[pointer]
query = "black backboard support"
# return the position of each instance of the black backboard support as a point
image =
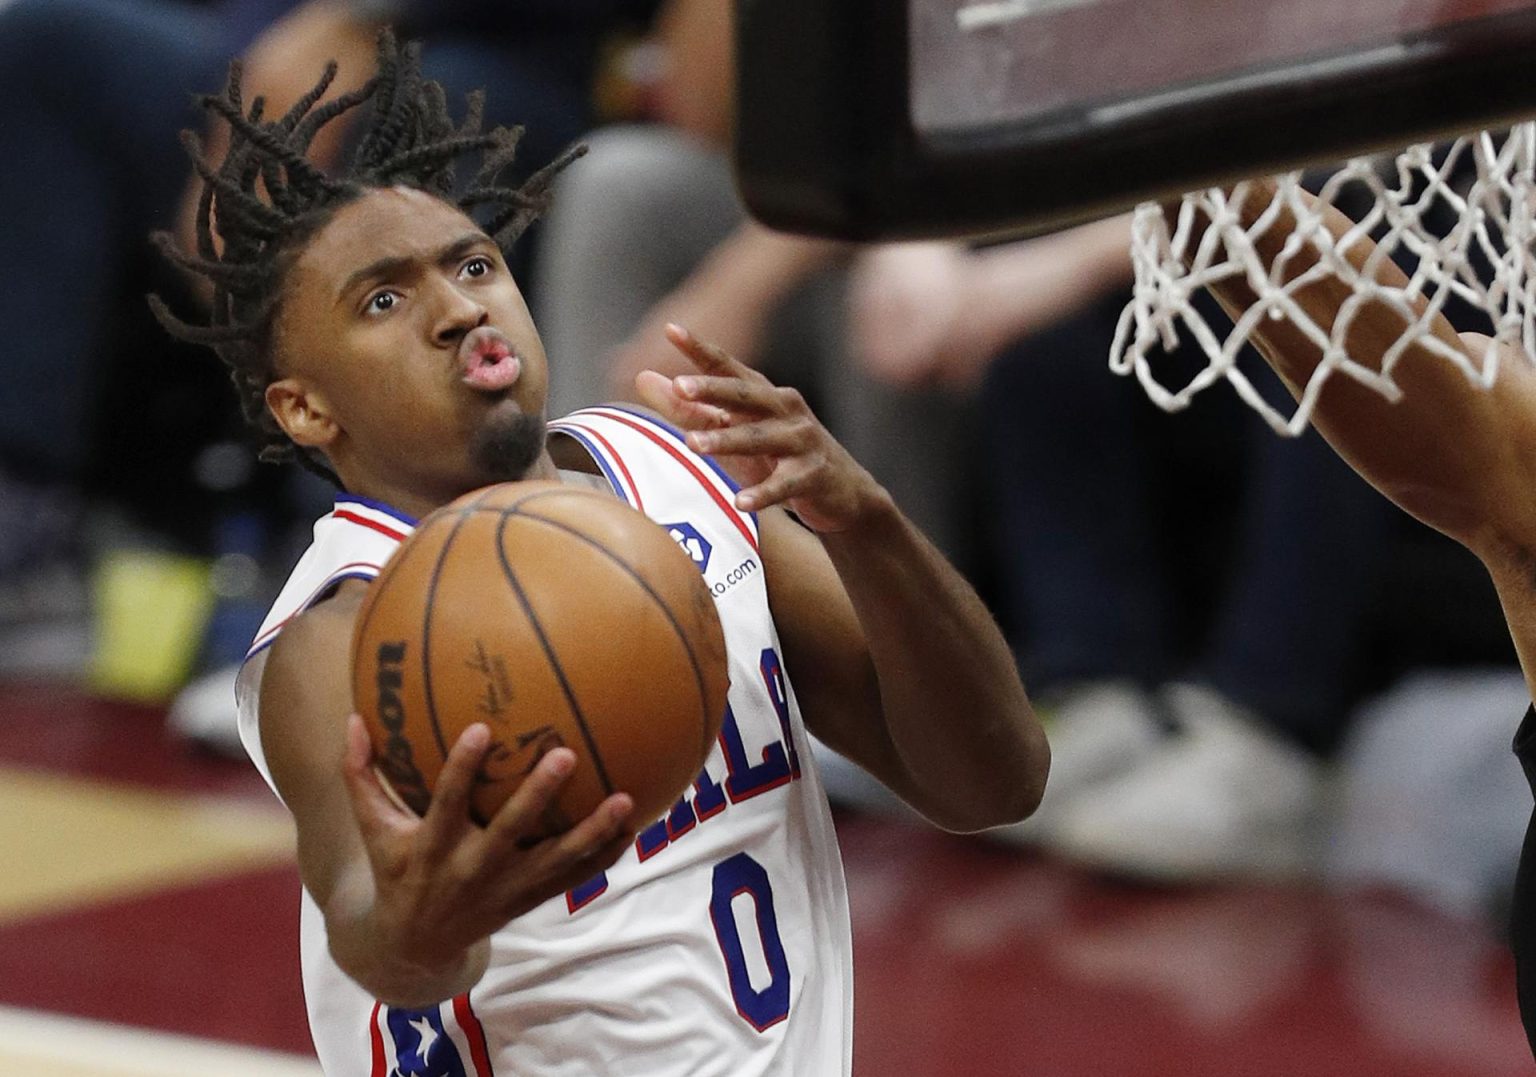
(885, 119)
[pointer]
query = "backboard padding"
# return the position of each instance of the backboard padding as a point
(868, 119)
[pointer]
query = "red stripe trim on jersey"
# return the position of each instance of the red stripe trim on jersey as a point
(474, 1032)
(677, 435)
(379, 507)
(677, 439)
(352, 517)
(376, 1043)
(345, 571)
(713, 491)
(629, 480)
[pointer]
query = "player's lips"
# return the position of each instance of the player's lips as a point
(488, 360)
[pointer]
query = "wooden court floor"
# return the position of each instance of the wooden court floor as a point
(148, 928)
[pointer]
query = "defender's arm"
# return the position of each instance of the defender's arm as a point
(1460, 458)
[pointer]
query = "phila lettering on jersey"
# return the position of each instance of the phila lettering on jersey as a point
(720, 943)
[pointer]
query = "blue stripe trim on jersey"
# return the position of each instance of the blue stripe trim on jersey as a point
(377, 506)
(667, 427)
(325, 591)
(596, 452)
(678, 434)
(254, 651)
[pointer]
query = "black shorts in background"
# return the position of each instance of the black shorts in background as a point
(1522, 917)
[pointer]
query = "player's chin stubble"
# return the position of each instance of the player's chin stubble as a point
(505, 450)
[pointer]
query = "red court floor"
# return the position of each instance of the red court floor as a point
(150, 887)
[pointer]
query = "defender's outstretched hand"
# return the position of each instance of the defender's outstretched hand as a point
(770, 441)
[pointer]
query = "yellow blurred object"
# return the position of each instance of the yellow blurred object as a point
(151, 609)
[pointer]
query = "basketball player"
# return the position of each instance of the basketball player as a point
(1459, 458)
(373, 331)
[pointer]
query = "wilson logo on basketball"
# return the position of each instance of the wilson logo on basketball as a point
(397, 762)
(476, 618)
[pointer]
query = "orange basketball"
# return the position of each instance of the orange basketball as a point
(557, 616)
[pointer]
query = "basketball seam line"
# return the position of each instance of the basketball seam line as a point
(549, 651)
(426, 635)
(693, 661)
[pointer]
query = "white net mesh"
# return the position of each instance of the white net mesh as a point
(1458, 220)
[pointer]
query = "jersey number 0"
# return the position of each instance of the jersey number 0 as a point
(739, 876)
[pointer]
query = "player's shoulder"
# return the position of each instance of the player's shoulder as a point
(318, 636)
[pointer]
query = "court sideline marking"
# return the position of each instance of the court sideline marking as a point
(46, 1043)
(86, 842)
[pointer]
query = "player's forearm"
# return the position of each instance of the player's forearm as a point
(387, 958)
(1430, 451)
(954, 708)
(1374, 331)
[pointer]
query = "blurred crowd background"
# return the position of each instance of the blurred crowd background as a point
(1250, 664)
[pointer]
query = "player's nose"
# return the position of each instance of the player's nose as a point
(456, 313)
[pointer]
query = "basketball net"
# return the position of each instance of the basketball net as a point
(1482, 184)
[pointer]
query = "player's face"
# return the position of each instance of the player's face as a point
(408, 353)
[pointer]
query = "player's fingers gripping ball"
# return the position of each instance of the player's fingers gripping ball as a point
(557, 616)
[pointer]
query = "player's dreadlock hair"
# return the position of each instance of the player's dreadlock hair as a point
(410, 139)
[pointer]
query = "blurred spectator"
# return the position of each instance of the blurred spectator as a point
(92, 94)
(653, 207)
(939, 314)
(1188, 592)
(1192, 592)
(1200, 605)
(648, 229)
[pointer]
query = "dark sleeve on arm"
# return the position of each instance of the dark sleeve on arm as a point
(1522, 927)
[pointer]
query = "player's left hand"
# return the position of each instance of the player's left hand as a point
(766, 435)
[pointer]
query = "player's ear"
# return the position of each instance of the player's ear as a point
(303, 413)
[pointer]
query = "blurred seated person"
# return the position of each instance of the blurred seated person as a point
(91, 94)
(1189, 593)
(94, 167)
(96, 406)
(649, 229)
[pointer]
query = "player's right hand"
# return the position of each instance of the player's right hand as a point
(442, 882)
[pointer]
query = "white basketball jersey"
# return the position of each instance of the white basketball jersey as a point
(720, 943)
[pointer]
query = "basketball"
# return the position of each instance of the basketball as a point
(557, 616)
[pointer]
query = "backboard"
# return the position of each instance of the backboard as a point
(880, 119)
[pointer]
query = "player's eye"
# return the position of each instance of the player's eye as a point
(380, 303)
(478, 266)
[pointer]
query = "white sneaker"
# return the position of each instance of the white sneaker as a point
(1223, 797)
(1097, 731)
(204, 713)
